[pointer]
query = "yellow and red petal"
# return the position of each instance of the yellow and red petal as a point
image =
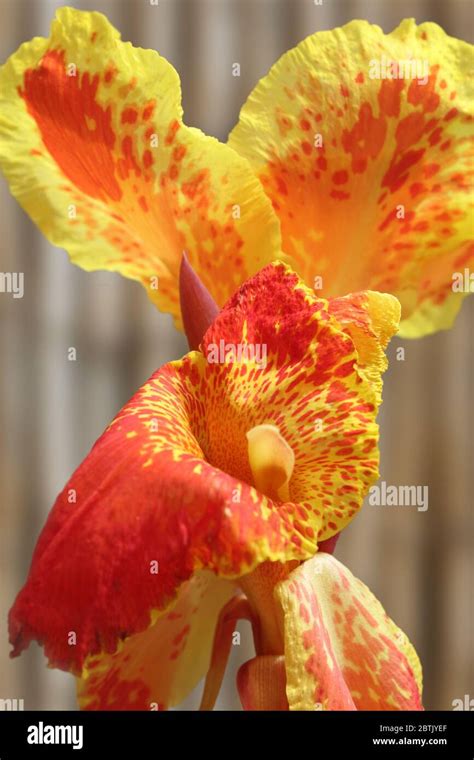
(371, 177)
(371, 319)
(342, 651)
(157, 668)
(313, 371)
(143, 513)
(94, 148)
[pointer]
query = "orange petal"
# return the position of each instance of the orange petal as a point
(371, 177)
(342, 651)
(93, 145)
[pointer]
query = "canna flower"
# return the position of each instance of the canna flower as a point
(217, 493)
(351, 161)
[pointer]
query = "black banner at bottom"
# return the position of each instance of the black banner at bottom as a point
(128, 734)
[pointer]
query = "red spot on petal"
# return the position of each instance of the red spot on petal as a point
(389, 96)
(281, 186)
(179, 152)
(110, 74)
(388, 219)
(435, 136)
(409, 131)
(451, 114)
(128, 163)
(430, 170)
(365, 139)
(421, 226)
(424, 95)
(147, 159)
(340, 177)
(196, 184)
(398, 171)
(416, 189)
(148, 111)
(339, 195)
(129, 115)
(172, 130)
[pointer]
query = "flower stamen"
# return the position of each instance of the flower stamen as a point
(271, 460)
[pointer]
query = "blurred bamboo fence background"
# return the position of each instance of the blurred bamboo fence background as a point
(419, 564)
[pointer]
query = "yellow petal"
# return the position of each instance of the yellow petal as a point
(371, 177)
(342, 651)
(371, 319)
(157, 668)
(94, 148)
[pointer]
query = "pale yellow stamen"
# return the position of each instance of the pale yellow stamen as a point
(271, 460)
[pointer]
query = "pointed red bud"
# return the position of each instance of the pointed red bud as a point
(198, 308)
(329, 544)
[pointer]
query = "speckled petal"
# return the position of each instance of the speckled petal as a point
(370, 319)
(342, 651)
(313, 371)
(156, 669)
(145, 496)
(94, 148)
(369, 166)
